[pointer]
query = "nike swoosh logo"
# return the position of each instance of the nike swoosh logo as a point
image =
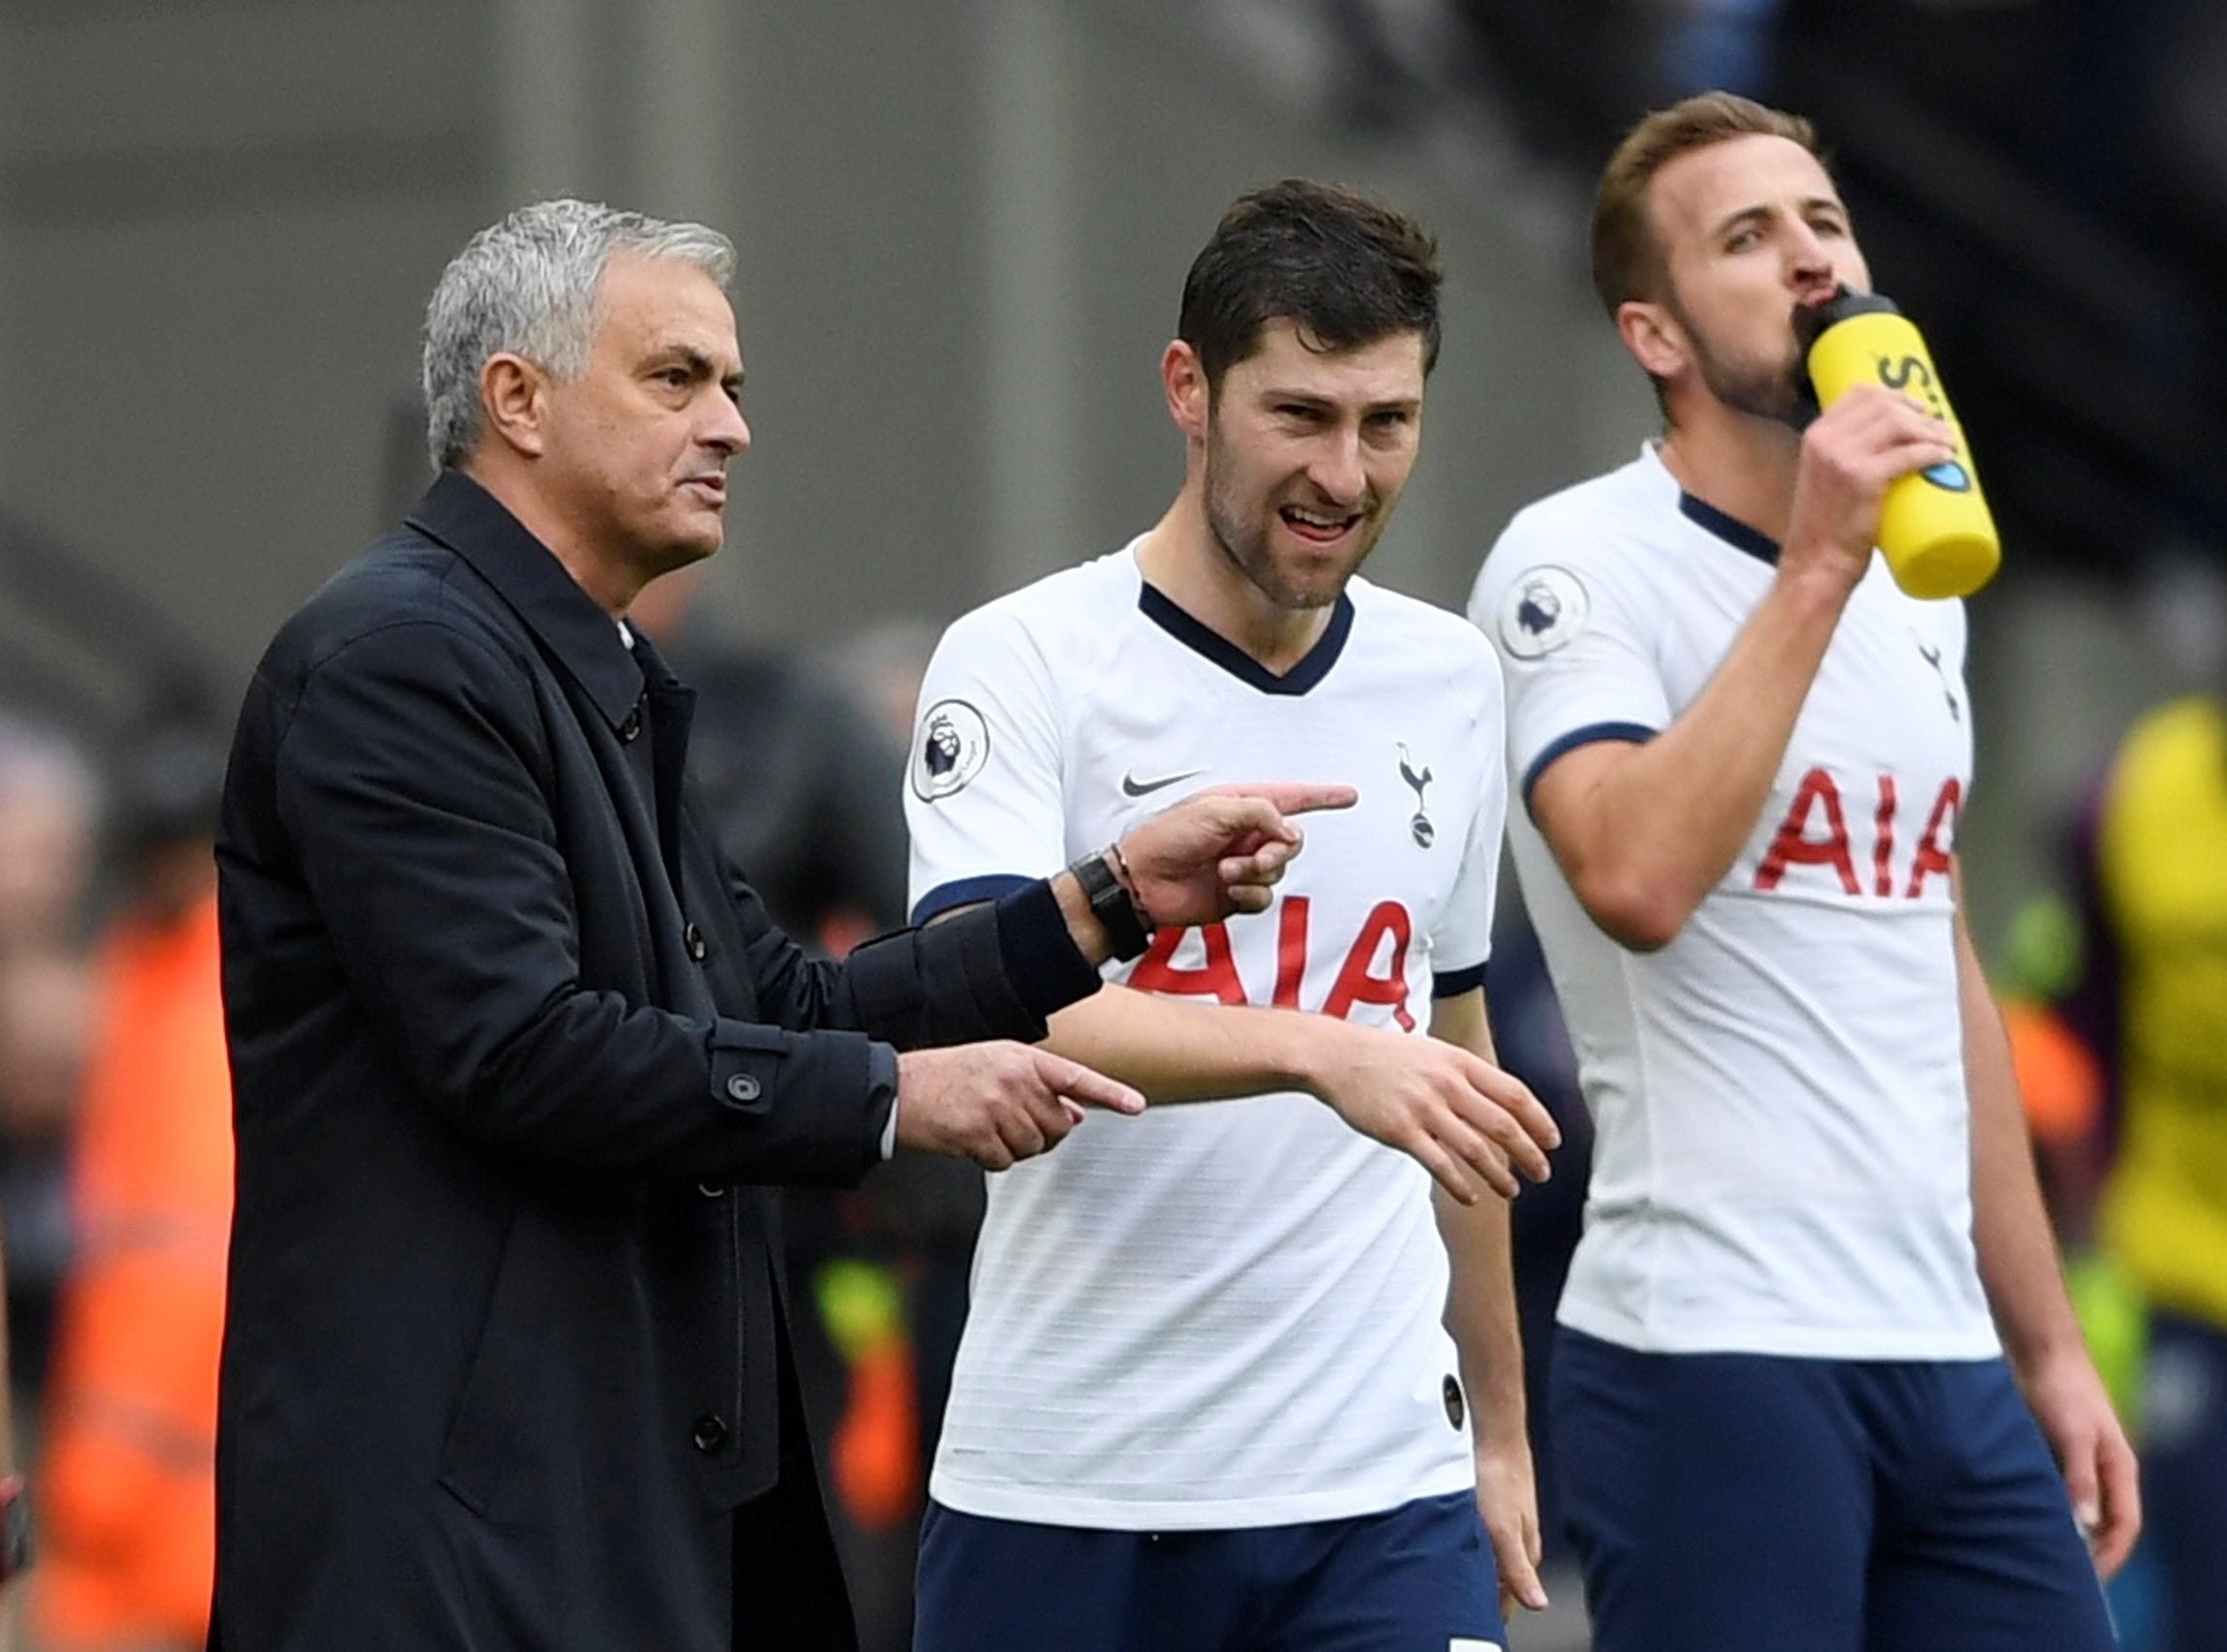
(1132, 786)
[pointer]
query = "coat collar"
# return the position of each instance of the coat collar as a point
(461, 515)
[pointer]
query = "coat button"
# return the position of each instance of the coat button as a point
(631, 729)
(709, 1434)
(692, 938)
(742, 1087)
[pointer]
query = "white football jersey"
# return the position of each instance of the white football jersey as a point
(1226, 1314)
(1784, 1156)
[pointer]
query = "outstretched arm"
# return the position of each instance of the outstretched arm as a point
(1454, 1113)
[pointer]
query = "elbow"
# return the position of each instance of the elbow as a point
(1637, 890)
(1643, 931)
(1637, 917)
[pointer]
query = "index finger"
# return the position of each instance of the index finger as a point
(1077, 1082)
(1295, 797)
(2113, 1540)
(1510, 1097)
(1518, 1572)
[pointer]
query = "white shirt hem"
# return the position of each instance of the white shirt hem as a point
(1800, 1341)
(1187, 1514)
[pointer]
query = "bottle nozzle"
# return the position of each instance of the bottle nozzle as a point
(1812, 319)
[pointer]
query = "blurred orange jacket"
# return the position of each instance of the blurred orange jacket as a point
(127, 1480)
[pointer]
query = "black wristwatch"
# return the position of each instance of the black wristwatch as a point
(1128, 932)
(15, 1527)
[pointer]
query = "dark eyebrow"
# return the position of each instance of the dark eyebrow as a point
(1760, 213)
(1757, 214)
(1311, 399)
(699, 366)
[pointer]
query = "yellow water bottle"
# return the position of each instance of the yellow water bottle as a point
(1935, 530)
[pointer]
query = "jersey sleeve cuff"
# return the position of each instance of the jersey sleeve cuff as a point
(1638, 733)
(965, 891)
(1452, 983)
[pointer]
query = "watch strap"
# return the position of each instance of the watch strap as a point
(1128, 932)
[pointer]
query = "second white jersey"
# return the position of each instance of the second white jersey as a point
(1783, 1155)
(1222, 1314)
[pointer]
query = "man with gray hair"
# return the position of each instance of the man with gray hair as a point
(517, 1059)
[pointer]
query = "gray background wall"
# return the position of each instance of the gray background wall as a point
(964, 227)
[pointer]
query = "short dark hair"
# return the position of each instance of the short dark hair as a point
(1627, 258)
(1349, 270)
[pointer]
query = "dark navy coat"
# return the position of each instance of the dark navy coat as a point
(517, 1060)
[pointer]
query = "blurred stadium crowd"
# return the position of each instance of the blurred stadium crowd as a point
(2059, 262)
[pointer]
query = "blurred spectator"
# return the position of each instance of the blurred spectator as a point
(2152, 1004)
(883, 665)
(48, 812)
(803, 791)
(802, 782)
(47, 803)
(127, 1477)
(921, 1213)
(2058, 1077)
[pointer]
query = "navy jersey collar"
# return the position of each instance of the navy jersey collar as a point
(1202, 638)
(461, 515)
(1729, 529)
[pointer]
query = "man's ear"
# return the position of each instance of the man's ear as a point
(1183, 380)
(1654, 337)
(514, 403)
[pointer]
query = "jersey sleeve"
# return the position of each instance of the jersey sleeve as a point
(982, 790)
(1462, 940)
(1574, 645)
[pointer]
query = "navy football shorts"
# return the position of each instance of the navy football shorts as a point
(1416, 1578)
(1753, 1503)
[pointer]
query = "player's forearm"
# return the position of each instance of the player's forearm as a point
(2019, 1263)
(1480, 1316)
(1643, 832)
(1176, 1051)
(1083, 925)
(1480, 1300)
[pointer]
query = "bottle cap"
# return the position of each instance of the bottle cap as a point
(1812, 319)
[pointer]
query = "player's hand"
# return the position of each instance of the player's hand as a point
(998, 1103)
(2076, 1417)
(1870, 438)
(1219, 851)
(1471, 1125)
(1507, 1498)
